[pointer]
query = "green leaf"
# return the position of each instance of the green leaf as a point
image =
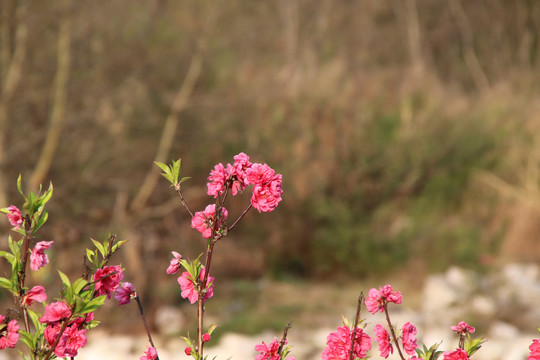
(99, 246)
(78, 285)
(176, 165)
(65, 279)
(5, 283)
(27, 339)
(34, 316)
(48, 194)
(9, 256)
(41, 220)
(19, 186)
(90, 254)
(118, 245)
(93, 304)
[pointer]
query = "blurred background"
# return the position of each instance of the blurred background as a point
(406, 132)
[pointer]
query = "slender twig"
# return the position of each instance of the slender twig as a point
(284, 338)
(394, 337)
(355, 328)
(22, 273)
(179, 191)
(240, 217)
(143, 318)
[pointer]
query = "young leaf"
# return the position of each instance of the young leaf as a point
(99, 246)
(5, 283)
(78, 285)
(65, 279)
(93, 304)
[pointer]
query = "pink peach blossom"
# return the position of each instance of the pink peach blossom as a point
(150, 354)
(71, 341)
(408, 338)
(458, 354)
(270, 351)
(107, 280)
(175, 263)
(15, 217)
(202, 221)
(189, 290)
(383, 338)
(218, 177)
(462, 328)
(534, 350)
(56, 311)
(10, 335)
(377, 299)
(125, 293)
(38, 258)
(265, 198)
(36, 294)
(338, 344)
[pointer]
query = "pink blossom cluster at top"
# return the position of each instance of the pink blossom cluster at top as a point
(203, 221)
(74, 336)
(15, 217)
(534, 350)
(462, 328)
(266, 183)
(377, 299)
(269, 351)
(38, 258)
(338, 344)
(10, 335)
(107, 280)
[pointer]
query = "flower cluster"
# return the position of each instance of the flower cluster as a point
(462, 328)
(203, 221)
(266, 183)
(339, 343)
(270, 351)
(150, 354)
(9, 333)
(125, 293)
(15, 217)
(38, 258)
(74, 335)
(534, 349)
(458, 354)
(377, 299)
(107, 280)
(189, 287)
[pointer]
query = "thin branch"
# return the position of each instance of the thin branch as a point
(284, 338)
(394, 337)
(240, 217)
(179, 191)
(356, 321)
(143, 318)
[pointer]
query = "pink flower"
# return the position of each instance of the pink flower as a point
(189, 290)
(238, 172)
(56, 311)
(267, 187)
(187, 350)
(51, 332)
(38, 258)
(458, 354)
(175, 263)
(206, 337)
(534, 350)
(36, 294)
(383, 338)
(107, 280)
(202, 221)
(71, 341)
(150, 354)
(377, 299)
(10, 334)
(125, 293)
(14, 217)
(218, 178)
(338, 344)
(408, 338)
(462, 328)
(270, 351)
